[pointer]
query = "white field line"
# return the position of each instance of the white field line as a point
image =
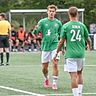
(68, 94)
(84, 65)
(91, 65)
(36, 94)
(51, 65)
(21, 91)
(58, 65)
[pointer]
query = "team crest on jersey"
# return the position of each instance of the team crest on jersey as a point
(46, 24)
(55, 24)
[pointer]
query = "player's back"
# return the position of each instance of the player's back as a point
(76, 34)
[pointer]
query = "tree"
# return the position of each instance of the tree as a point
(89, 5)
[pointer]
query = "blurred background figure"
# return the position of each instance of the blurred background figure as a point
(21, 35)
(14, 41)
(5, 29)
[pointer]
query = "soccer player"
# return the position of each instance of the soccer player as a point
(50, 28)
(75, 34)
(5, 29)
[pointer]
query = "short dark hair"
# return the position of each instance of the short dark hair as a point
(3, 15)
(73, 11)
(21, 26)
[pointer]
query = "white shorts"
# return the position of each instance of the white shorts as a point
(74, 64)
(48, 56)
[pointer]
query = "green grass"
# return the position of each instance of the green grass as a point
(24, 73)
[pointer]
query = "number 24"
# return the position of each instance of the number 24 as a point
(75, 35)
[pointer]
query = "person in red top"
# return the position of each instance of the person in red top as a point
(28, 40)
(21, 34)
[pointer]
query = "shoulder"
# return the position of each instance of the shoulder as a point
(66, 25)
(82, 24)
(57, 20)
(7, 22)
(42, 20)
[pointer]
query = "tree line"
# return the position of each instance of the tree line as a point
(89, 5)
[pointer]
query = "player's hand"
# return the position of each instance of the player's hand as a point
(55, 56)
(88, 47)
(34, 41)
(10, 40)
(63, 51)
(36, 27)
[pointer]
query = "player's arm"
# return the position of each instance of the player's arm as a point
(37, 28)
(59, 32)
(60, 44)
(87, 38)
(88, 41)
(35, 31)
(60, 27)
(9, 32)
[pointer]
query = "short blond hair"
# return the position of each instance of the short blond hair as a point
(73, 11)
(52, 6)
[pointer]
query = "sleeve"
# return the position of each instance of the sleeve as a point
(63, 35)
(39, 28)
(60, 26)
(63, 32)
(85, 32)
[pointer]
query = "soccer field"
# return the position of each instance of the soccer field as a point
(23, 77)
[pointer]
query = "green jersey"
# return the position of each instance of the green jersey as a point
(75, 34)
(50, 31)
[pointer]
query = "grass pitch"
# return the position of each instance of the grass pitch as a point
(24, 76)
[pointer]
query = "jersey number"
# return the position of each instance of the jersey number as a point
(75, 35)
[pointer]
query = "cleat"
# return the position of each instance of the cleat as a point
(54, 86)
(7, 64)
(1, 64)
(46, 83)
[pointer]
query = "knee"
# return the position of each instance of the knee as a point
(45, 67)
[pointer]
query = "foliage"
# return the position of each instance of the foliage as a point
(89, 5)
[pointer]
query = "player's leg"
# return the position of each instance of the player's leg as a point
(22, 46)
(80, 83)
(6, 47)
(17, 44)
(1, 53)
(45, 62)
(29, 44)
(45, 73)
(1, 49)
(55, 69)
(71, 64)
(55, 74)
(12, 45)
(80, 75)
(7, 56)
(74, 83)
